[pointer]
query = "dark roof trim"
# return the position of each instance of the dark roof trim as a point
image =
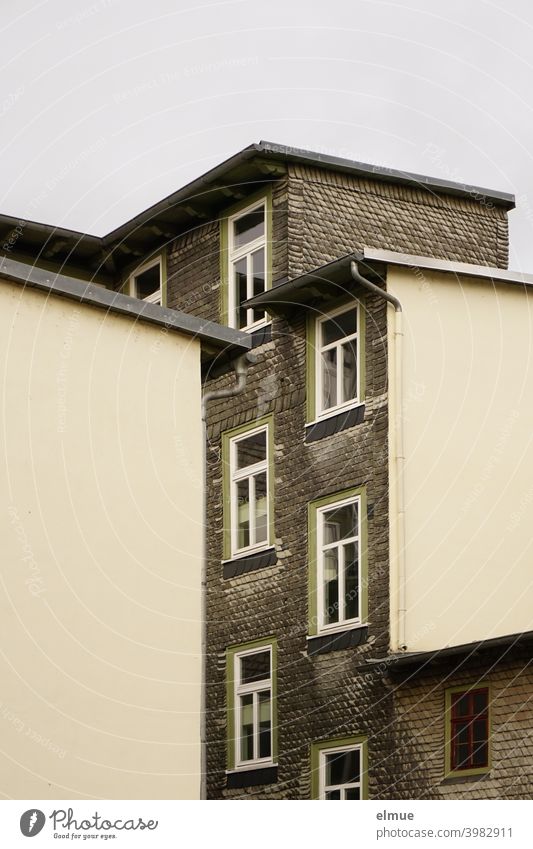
(290, 294)
(208, 332)
(389, 175)
(286, 153)
(425, 658)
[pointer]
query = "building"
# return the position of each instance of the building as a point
(368, 597)
(101, 512)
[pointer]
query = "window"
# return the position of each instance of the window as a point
(467, 730)
(251, 699)
(335, 361)
(339, 770)
(246, 460)
(146, 282)
(337, 598)
(245, 272)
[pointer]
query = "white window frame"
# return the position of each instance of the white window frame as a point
(234, 254)
(342, 622)
(320, 348)
(323, 788)
(237, 475)
(157, 296)
(255, 688)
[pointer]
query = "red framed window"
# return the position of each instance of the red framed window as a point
(470, 729)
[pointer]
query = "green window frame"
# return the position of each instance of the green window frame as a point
(156, 259)
(316, 624)
(229, 439)
(315, 322)
(228, 304)
(318, 766)
(450, 693)
(233, 686)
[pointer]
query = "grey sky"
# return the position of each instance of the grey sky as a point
(109, 105)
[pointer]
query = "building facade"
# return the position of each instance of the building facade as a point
(102, 541)
(348, 654)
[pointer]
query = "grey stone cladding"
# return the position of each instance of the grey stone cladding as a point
(317, 216)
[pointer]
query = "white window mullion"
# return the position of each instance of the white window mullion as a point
(340, 373)
(234, 514)
(255, 709)
(342, 582)
(251, 508)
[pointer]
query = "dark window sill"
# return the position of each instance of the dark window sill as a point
(251, 777)
(324, 643)
(242, 565)
(335, 424)
(465, 779)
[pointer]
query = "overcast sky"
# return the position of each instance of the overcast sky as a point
(109, 105)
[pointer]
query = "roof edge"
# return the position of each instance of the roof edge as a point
(394, 175)
(424, 658)
(209, 332)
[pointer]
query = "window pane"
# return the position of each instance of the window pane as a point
(329, 378)
(352, 793)
(241, 290)
(261, 529)
(461, 757)
(337, 328)
(461, 733)
(251, 450)
(247, 727)
(480, 702)
(333, 794)
(148, 282)
(480, 755)
(258, 270)
(331, 586)
(351, 580)
(342, 768)
(243, 513)
(349, 371)
(258, 279)
(249, 227)
(255, 667)
(265, 748)
(461, 705)
(340, 523)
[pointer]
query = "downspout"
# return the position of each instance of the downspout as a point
(399, 445)
(240, 365)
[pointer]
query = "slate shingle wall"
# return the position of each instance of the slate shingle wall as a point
(333, 214)
(419, 710)
(317, 217)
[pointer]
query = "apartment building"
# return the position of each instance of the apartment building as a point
(368, 592)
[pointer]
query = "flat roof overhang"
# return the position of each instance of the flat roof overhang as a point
(216, 340)
(334, 278)
(425, 660)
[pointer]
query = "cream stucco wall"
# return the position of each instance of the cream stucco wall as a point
(101, 532)
(468, 420)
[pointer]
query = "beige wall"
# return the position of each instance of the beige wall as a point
(101, 551)
(468, 418)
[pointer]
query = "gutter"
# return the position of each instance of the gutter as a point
(241, 365)
(399, 457)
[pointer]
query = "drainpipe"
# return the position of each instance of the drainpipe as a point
(241, 365)
(399, 444)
